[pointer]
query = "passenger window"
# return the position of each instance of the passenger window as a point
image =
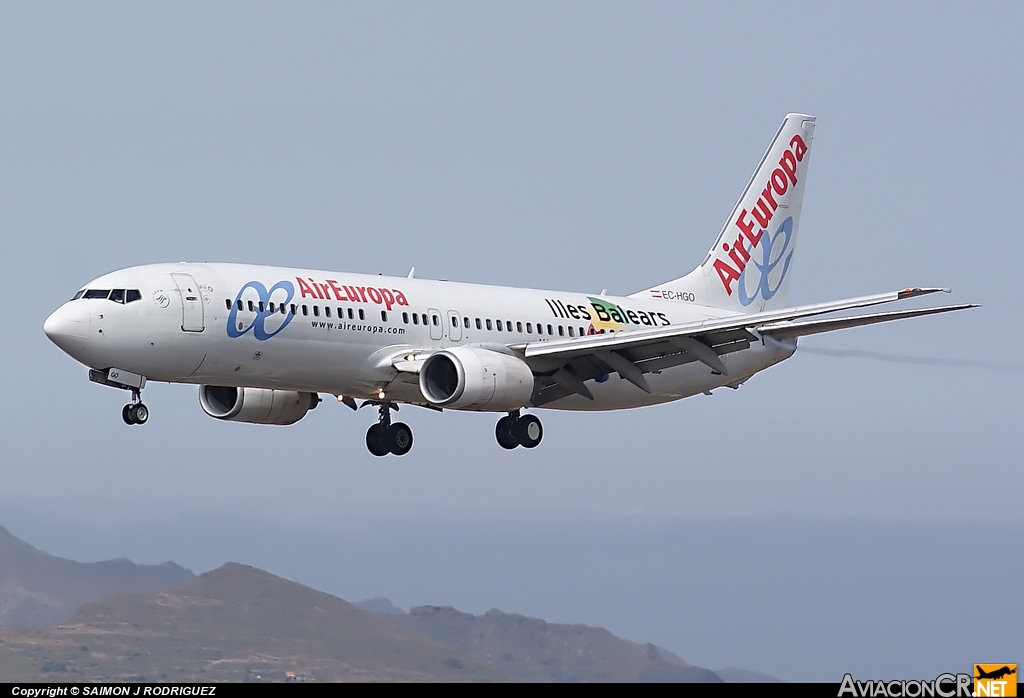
(283, 309)
(305, 310)
(117, 295)
(132, 294)
(272, 308)
(466, 322)
(362, 315)
(262, 307)
(424, 316)
(561, 331)
(436, 320)
(550, 331)
(384, 315)
(415, 319)
(97, 293)
(529, 328)
(508, 325)
(250, 307)
(478, 326)
(316, 311)
(455, 321)
(488, 325)
(519, 326)
(293, 308)
(405, 318)
(78, 295)
(351, 315)
(572, 333)
(227, 304)
(341, 313)
(327, 310)
(499, 325)
(239, 303)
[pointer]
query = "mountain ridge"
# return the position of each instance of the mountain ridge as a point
(38, 589)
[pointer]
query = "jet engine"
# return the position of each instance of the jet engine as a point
(471, 378)
(256, 405)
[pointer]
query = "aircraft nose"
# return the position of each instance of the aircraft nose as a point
(68, 328)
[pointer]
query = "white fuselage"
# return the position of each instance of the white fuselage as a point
(214, 324)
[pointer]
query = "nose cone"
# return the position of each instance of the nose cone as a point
(68, 328)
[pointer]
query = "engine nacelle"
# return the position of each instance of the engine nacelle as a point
(470, 378)
(256, 405)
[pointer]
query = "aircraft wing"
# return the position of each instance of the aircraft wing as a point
(563, 365)
(788, 330)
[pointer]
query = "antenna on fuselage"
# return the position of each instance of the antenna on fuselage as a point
(411, 273)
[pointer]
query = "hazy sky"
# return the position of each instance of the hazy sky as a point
(555, 145)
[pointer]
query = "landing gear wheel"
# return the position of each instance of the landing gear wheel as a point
(140, 413)
(126, 415)
(503, 432)
(399, 438)
(376, 440)
(528, 431)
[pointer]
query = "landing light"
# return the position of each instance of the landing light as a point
(381, 395)
(410, 357)
(341, 398)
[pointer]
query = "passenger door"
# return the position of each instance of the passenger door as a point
(192, 319)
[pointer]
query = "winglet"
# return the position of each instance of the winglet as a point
(915, 292)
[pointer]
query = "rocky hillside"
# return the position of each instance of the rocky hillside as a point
(235, 623)
(37, 589)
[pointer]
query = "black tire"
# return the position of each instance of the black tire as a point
(528, 431)
(376, 441)
(140, 413)
(399, 438)
(126, 415)
(503, 432)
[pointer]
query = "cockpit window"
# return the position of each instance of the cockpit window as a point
(118, 295)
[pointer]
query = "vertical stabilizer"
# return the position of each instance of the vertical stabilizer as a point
(747, 269)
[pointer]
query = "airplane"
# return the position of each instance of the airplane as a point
(263, 343)
(996, 674)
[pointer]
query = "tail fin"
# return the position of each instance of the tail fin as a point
(747, 269)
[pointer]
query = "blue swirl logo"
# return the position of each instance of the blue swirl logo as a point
(262, 310)
(773, 253)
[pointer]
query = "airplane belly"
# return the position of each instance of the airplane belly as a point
(326, 367)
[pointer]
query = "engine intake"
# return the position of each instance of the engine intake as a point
(471, 378)
(256, 405)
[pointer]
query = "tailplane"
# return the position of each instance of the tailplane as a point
(747, 269)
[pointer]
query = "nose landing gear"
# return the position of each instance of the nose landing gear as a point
(135, 412)
(386, 436)
(515, 430)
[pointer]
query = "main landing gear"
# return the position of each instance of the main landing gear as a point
(386, 437)
(135, 412)
(515, 430)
